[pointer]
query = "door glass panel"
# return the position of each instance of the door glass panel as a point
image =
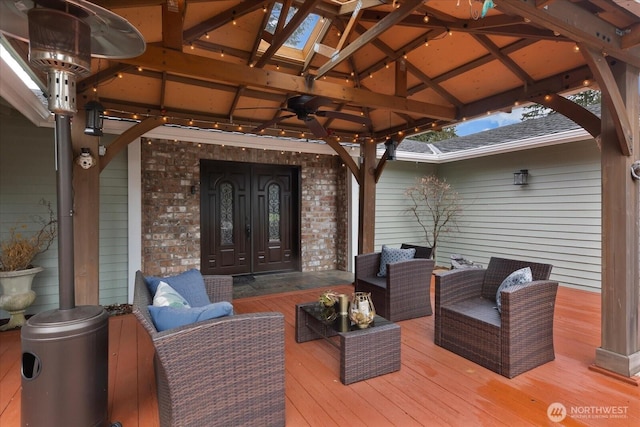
(274, 212)
(226, 214)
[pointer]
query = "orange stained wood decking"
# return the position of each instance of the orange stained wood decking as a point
(433, 387)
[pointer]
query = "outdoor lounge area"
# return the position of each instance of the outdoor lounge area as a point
(432, 387)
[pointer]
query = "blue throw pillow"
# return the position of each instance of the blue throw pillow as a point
(518, 277)
(189, 284)
(393, 255)
(169, 317)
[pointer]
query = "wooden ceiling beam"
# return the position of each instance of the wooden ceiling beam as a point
(560, 83)
(509, 63)
(632, 38)
(223, 18)
(392, 55)
(172, 23)
(101, 77)
(371, 34)
(580, 115)
(612, 97)
(195, 66)
(576, 23)
(501, 25)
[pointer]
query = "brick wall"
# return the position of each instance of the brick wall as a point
(171, 214)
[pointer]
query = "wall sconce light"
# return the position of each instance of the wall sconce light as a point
(520, 177)
(94, 118)
(391, 149)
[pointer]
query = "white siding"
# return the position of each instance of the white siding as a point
(554, 219)
(27, 174)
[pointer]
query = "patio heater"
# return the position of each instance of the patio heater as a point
(65, 351)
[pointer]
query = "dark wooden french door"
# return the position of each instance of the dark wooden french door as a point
(249, 217)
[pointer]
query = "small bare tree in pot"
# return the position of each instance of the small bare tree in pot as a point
(436, 206)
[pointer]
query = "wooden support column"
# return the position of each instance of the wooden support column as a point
(620, 350)
(86, 208)
(367, 215)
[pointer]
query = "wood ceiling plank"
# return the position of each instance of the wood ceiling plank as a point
(371, 34)
(211, 69)
(576, 23)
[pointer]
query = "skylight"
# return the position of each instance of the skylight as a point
(302, 38)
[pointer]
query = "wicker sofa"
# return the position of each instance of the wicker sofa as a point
(511, 342)
(405, 291)
(218, 372)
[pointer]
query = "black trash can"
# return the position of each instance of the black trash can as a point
(65, 368)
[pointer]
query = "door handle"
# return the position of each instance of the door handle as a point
(247, 229)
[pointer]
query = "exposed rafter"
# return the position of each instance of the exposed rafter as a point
(576, 23)
(372, 33)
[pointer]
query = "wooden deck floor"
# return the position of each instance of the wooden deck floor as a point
(434, 387)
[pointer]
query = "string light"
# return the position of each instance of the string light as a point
(264, 8)
(426, 18)
(139, 68)
(206, 35)
(222, 54)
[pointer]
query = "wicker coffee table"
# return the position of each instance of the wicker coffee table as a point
(364, 353)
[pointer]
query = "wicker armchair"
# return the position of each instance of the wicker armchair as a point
(405, 292)
(468, 323)
(219, 372)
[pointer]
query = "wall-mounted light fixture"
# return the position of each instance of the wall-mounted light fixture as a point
(391, 149)
(520, 177)
(94, 118)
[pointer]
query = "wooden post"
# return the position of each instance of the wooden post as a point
(620, 350)
(86, 209)
(367, 216)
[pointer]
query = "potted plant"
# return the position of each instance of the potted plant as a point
(17, 271)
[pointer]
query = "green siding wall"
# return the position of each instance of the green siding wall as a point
(554, 219)
(27, 174)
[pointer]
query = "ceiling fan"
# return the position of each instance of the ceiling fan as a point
(306, 108)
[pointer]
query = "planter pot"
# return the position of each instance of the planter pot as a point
(17, 295)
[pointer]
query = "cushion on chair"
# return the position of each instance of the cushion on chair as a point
(421, 251)
(518, 277)
(189, 284)
(169, 317)
(166, 296)
(393, 255)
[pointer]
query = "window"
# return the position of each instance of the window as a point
(300, 44)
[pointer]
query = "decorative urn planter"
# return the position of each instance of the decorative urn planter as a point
(16, 294)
